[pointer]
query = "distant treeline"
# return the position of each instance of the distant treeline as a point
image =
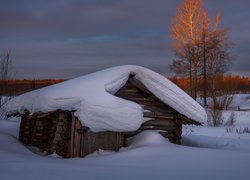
(17, 87)
(224, 83)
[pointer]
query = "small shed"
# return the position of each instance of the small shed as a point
(134, 99)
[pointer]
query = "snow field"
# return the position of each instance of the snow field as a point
(149, 156)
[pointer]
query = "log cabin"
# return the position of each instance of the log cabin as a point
(63, 131)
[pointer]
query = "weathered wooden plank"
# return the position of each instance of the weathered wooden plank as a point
(167, 117)
(128, 90)
(131, 94)
(163, 114)
(148, 114)
(77, 139)
(155, 104)
(39, 134)
(140, 98)
(165, 128)
(139, 85)
(158, 109)
(159, 122)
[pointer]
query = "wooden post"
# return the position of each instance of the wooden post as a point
(72, 135)
(77, 138)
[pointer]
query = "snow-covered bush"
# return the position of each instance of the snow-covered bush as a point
(215, 117)
(5, 73)
(3, 102)
(215, 112)
(231, 119)
(240, 130)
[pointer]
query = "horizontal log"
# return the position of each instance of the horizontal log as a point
(142, 100)
(132, 94)
(167, 117)
(159, 109)
(148, 114)
(186, 120)
(139, 85)
(159, 122)
(165, 128)
(150, 103)
(128, 90)
(163, 114)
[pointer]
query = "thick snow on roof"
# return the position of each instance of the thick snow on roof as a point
(91, 96)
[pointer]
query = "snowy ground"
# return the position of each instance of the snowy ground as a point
(207, 153)
(236, 137)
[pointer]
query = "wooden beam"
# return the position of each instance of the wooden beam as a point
(164, 128)
(158, 109)
(159, 122)
(72, 137)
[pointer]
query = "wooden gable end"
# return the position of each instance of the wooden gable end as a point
(157, 115)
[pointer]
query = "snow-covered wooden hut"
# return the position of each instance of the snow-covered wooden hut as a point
(100, 110)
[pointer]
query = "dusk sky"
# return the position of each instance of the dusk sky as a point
(67, 38)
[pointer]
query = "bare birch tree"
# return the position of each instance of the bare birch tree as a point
(200, 45)
(185, 33)
(5, 73)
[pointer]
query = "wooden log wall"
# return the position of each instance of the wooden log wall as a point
(159, 116)
(61, 133)
(49, 133)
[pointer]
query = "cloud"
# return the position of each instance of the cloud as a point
(88, 55)
(64, 38)
(83, 18)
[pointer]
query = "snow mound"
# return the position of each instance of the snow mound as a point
(92, 98)
(147, 138)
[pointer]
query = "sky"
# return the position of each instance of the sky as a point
(64, 39)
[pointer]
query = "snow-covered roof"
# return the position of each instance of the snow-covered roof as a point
(92, 98)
